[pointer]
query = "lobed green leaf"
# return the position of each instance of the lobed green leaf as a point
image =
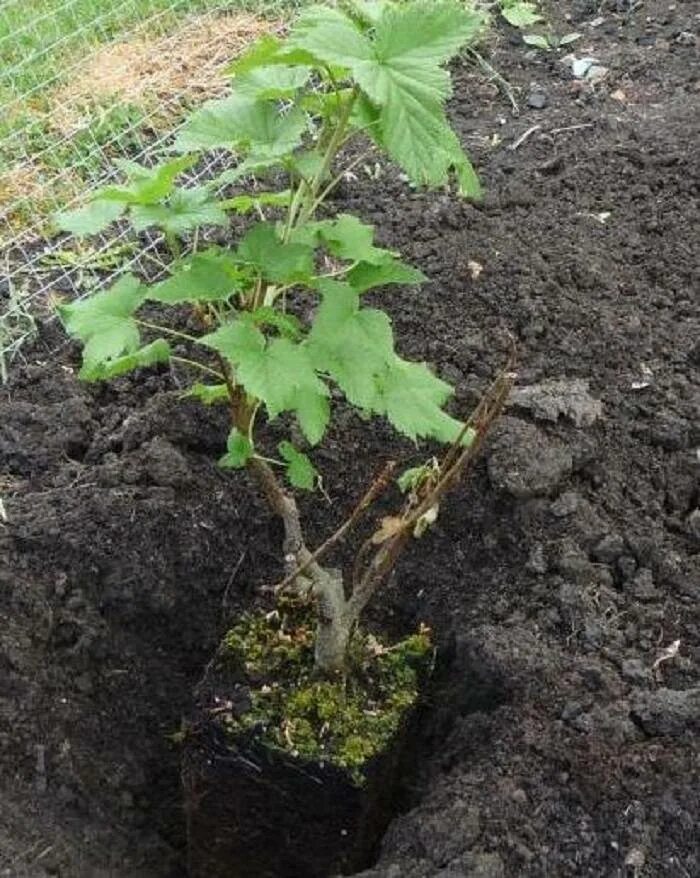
(300, 471)
(401, 73)
(271, 83)
(209, 276)
(105, 324)
(245, 203)
(209, 394)
(236, 341)
(243, 123)
(157, 351)
(365, 276)
(350, 344)
(266, 51)
(412, 398)
(261, 249)
(239, 450)
(187, 209)
(92, 218)
(148, 185)
(278, 374)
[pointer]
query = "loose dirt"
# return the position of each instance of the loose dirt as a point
(563, 577)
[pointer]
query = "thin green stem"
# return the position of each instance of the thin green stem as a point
(269, 460)
(334, 144)
(195, 365)
(339, 273)
(251, 425)
(166, 329)
(334, 182)
(173, 244)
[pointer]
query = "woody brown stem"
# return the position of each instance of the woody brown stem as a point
(378, 486)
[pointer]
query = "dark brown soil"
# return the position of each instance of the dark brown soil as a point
(561, 572)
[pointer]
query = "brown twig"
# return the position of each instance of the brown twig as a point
(378, 486)
(476, 416)
(452, 468)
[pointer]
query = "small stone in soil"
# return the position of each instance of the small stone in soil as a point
(550, 400)
(668, 711)
(525, 462)
(537, 99)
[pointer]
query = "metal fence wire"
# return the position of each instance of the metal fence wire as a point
(83, 82)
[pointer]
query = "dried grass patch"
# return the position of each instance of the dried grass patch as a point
(160, 74)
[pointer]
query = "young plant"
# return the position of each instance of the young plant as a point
(550, 42)
(282, 317)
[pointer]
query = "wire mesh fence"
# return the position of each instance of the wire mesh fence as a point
(83, 82)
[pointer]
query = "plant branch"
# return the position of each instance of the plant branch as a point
(452, 468)
(336, 140)
(378, 486)
(284, 506)
(337, 179)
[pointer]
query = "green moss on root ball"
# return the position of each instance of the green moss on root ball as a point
(345, 721)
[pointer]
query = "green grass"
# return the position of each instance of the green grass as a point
(37, 36)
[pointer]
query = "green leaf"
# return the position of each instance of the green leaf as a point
(300, 471)
(261, 54)
(157, 351)
(271, 83)
(306, 164)
(239, 450)
(209, 276)
(209, 394)
(313, 412)
(401, 72)
(567, 39)
(266, 51)
(348, 238)
(133, 170)
(350, 344)
(520, 13)
(186, 209)
(365, 276)
(245, 203)
(240, 122)
(331, 37)
(237, 341)
(412, 478)
(104, 322)
(368, 11)
(287, 324)
(254, 164)
(91, 219)
(467, 178)
(277, 262)
(537, 40)
(278, 374)
(326, 104)
(412, 398)
(148, 185)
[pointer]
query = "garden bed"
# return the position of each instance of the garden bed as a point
(560, 577)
